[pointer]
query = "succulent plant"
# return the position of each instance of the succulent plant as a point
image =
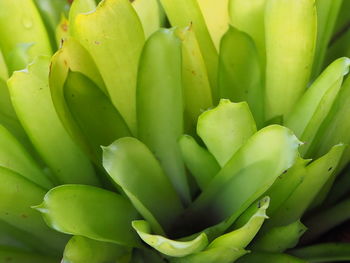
(173, 131)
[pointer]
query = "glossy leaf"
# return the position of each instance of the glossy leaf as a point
(317, 174)
(17, 195)
(248, 16)
(240, 74)
(289, 55)
(79, 7)
(214, 255)
(327, 13)
(160, 105)
(279, 239)
(15, 157)
(216, 17)
(256, 165)
(90, 212)
(241, 237)
(133, 167)
(149, 13)
(120, 43)
(81, 250)
(201, 163)
(317, 102)
(196, 86)
(101, 123)
(31, 99)
(182, 13)
(27, 28)
(225, 129)
(167, 246)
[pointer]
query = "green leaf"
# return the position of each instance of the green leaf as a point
(182, 13)
(241, 237)
(79, 7)
(4, 74)
(81, 250)
(15, 157)
(240, 74)
(100, 124)
(214, 255)
(317, 174)
(314, 106)
(335, 128)
(132, 166)
(159, 109)
(27, 28)
(279, 239)
(51, 12)
(149, 13)
(115, 49)
(256, 165)
(290, 46)
(17, 195)
(90, 212)
(15, 255)
(327, 252)
(226, 128)
(196, 86)
(167, 246)
(62, 31)
(31, 98)
(216, 17)
(269, 258)
(327, 14)
(201, 163)
(248, 16)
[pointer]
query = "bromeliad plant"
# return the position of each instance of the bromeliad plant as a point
(206, 142)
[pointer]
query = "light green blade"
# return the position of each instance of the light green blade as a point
(99, 122)
(241, 237)
(17, 195)
(249, 16)
(327, 14)
(225, 129)
(28, 27)
(115, 49)
(79, 7)
(51, 12)
(90, 212)
(81, 250)
(132, 166)
(31, 99)
(62, 31)
(201, 163)
(182, 13)
(256, 165)
(240, 74)
(4, 74)
(316, 176)
(160, 105)
(196, 86)
(15, 157)
(149, 12)
(167, 246)
(290, 46)
(216, 17)
(279, 239)
(314, 106)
